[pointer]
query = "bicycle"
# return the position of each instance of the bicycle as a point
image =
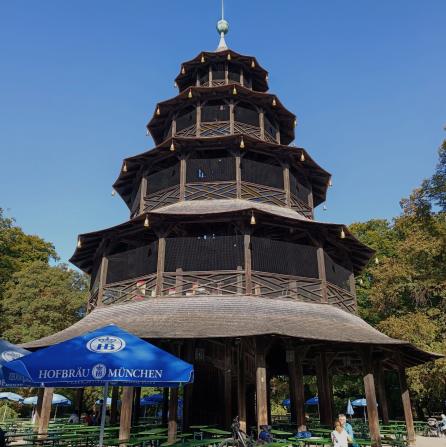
(239, 437)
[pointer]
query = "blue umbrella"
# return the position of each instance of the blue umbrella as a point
(153, 399)
(286, 402)
(9, 352)
(359, 402)
(106, 355)
(58, 399)
(11, 396)
(312, 401)
(350, 410)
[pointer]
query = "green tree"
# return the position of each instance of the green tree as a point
(41, 299)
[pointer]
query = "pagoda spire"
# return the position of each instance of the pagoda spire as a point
(222, 28)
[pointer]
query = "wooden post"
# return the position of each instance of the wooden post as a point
(79, 401)
(297, 398)
(382, 397)
(226, 73)
(248, 274)
(370, 395)
(311, 202)
(231, 117)
(324, 394)
(143, 194)
(188, 388)
(286, 185)
(241, 387)
(262, 124)
(174, 126)
(261, 393)
(322, 273)
(125, 424)
(242, 77)
(38, 412)
(136, 404)
(102, 280)
(183, 178)
(172, 417)
(44, 417)
(228, 384)
(238, 177)
(114, 405)
(210, 75)
(160, 265)
(165, 409)
(405, 397)
(198, 120)
(277, 134)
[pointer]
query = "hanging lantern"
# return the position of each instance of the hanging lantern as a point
(295, 122)
(234, 91)
(274, 102)
(253, 64)
(79, 242)
(242, 144)
(146, 222)
(124, 167)
(175, 84)
(266, 78)
(202, 58)
(330, 183)
(113, 193)
(229, 56)
(189, 95)
(324, 207)
(147, 133)
(302, 156)
(253, 219)
(183, 70)
(342, 234)
(172, 147)
(158, 111)
(376, 260)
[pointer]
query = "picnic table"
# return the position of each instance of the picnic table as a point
(216, 431)
(280, 432)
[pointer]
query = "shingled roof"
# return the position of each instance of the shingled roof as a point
(222, 316)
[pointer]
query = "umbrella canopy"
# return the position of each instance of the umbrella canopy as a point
(106, 355)
(153, 399)
(350, 410)
(359, 402)
(58, 399)
(9, 352)
(312, 401)
(11, 396)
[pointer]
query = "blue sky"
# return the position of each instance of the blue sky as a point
(79, 80)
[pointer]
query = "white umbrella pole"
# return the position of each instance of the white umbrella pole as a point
(103, 414)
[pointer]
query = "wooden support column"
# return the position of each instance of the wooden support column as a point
(188, 388)
(322, 273)
(262, 124)
(136, 405)
(38, 410)
(102, 280)
(125, 425)
(370, 395)
(241, 387)
(228, 384)
(143, 194)
(311, 202)
(261, 384)
(383, 407)
(286, 185)
(231, 117)
(210, 75)
(242, 77)
(238, 176)
(297, 398)
(198, 120)
(160, 265)
(248, 274)
(183, 178)
(172, 417)
(114, 405)
(174, 126)
(226, 73)
(45, 413)
(165, 408)
(407, 406)
(324, 394)
(79, 401)
(277, 134)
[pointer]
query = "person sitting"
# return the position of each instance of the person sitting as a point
(74, 418)
(264, 435)
(339, 436)
(442, 425)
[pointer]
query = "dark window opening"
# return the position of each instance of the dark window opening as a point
(186, 118)
(245, 113)
(262, 173)
(163, 179)
(218, 72)
(214, 111)
(210, 169)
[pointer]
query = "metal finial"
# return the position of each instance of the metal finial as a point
(222, 28)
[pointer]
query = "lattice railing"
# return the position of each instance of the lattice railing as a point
(216, 83)
(228, 282)
(247, 129)
(274, 285)
(131, 290)
(264, 194)
(340, 298)
(93, 301)
(190, 131)
(162, 198)
(270, 138)
(216, 129)
(211, 190)
(301, 207)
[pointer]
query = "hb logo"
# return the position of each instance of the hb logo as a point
(106, 344)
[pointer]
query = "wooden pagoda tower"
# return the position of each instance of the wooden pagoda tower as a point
(222, 262)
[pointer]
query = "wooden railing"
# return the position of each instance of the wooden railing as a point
(225, 282)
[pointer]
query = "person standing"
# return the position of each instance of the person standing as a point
(339, 436)
(347, 427)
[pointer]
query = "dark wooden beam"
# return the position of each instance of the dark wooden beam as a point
(125, 423)
(383, 407)
(248, 263)
(407, 406)
(172, 417)
(324, 393)
(102, 279)
(79, 401)
(261, 384)
(165, 408)
(114, 405)
(322, 273)
(160, 265)
(228, 384)
(136, 404)
(241, 386)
